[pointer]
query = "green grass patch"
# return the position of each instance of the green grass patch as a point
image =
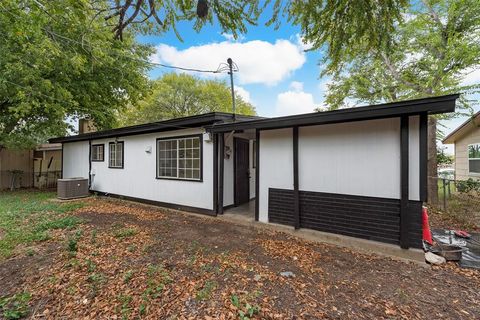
(16, 306)
(27, 216)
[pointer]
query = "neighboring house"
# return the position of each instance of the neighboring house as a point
(47, 165)
(39, 168)
(16, 168)
(466, 139)
(359, 172)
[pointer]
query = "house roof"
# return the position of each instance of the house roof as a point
(466, 127)
(166, 125)
(433, 105)
(48, 147)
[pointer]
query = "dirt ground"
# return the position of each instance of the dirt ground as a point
(129, 261)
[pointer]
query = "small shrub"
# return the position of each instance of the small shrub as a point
(16, 306)
(124, 233)
(206, 291)
(469, 185)
(128, 276)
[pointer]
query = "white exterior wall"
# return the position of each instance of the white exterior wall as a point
(138, 177)
(276, 168)
(76, 159)
(355, 158)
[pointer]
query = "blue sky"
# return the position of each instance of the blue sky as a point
(275, 74)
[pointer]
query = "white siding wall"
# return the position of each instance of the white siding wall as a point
(75, 159)
(356, 158)
(276, 169)
(138, 177)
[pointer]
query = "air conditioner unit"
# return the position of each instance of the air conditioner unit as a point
(72, 188)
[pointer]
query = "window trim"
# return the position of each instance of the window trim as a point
(468, 159)
(200, 136)
(103, 153)
(123, 154)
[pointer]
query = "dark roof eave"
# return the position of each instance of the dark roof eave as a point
(167, 125)
(434, 105)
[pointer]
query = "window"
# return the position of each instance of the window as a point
(115, 155)
(180, 158)
(474, 158)
(97, 152)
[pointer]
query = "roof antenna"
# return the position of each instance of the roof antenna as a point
(230, 67)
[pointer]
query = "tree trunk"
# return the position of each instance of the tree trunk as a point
(432, 185)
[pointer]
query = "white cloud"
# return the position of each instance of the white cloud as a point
(472, 76)
(302, 44)
(294, 102)
(230, 37)
(243, 93)
(258, 61)
(296, 86)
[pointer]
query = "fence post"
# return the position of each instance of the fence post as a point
(444, 195)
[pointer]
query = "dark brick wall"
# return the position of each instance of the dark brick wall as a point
(356, 216)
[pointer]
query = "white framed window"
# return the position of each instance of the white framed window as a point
(98, 152)
(115, 155)
(180, 158)
(474, 158)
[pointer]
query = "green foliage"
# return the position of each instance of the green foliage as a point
(179, 95)
(27, 216)
(245, 309)
(469, 185)
(16, 306)
(431, 52)
(206, 291)
(60, 61)
(124, 232)
(345, 29)
(443, 158)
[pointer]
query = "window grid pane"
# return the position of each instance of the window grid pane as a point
(116, 155)
(179, 158)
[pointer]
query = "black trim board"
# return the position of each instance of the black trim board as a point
(157, 203)
(257, 174)
(160, 126)
(221, 168)
(404, 181)
(200, 136)
(433, 105)
(370, 218)
(123, 154)
(423, 137)
(215, 174)
(296, 193)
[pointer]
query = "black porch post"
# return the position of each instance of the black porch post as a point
(215, 174)
(296, 193)
(257, 174)
(404, 170)
(423, 157)
(221, 149)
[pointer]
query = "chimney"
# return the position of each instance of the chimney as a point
(86, 126)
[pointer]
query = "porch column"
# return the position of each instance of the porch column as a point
(221, 149)
(215, 174)
(404, 173)
(296, 192)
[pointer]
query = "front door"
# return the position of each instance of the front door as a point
(242, 175)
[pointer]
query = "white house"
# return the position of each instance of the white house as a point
(359, 172)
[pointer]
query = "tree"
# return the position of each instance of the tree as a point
(179, 95)
(60, 62)
(431, 52)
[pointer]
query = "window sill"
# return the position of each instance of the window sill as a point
(115, 167)
(179, 179)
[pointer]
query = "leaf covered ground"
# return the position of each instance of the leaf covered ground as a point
(129, 261)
